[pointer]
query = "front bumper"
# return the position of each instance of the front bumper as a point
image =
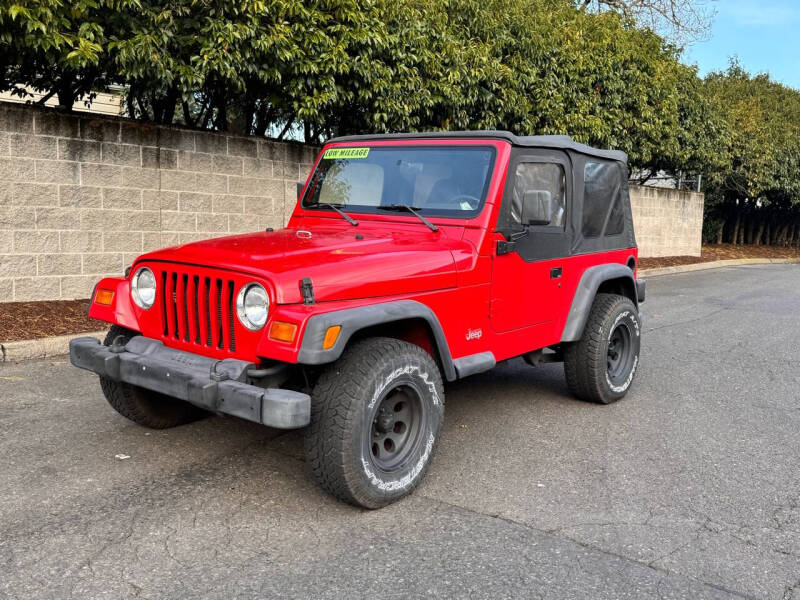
(215, 385)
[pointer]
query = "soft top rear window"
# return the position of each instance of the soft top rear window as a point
(448, 181)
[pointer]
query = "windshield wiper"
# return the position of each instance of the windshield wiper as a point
(335, 207)
(413, 210)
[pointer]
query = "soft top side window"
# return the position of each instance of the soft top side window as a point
(547, 177)
(602, 199)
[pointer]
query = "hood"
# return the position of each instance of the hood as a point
(382, 262)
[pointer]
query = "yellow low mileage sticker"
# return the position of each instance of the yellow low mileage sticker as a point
(334, 153)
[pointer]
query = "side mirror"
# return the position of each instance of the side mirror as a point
(537, 207)
(300, 185)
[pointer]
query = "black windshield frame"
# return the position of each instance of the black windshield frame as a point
(312, 188)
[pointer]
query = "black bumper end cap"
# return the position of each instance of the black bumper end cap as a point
(641, 286)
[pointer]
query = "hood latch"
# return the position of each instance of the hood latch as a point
(307, 290)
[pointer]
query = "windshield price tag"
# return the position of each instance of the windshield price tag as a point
(334, 153)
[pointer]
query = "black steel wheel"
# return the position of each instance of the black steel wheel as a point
(600, 367)
(619, 355)
(376, 414)
(397, 426)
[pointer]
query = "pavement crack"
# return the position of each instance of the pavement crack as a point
(704, 526)
(687, 321)
(564, 528)
(168, 550)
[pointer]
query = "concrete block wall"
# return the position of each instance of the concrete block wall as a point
(667, 222)
(82, 196)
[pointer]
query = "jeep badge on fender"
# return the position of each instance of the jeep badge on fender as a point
(409, 260)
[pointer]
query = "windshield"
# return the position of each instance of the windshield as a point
(436, 180)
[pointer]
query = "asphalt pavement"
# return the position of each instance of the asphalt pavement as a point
(687, 488)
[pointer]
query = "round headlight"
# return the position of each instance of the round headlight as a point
(252, 306)
(143, 288)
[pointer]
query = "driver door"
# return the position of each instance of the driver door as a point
(527, 270)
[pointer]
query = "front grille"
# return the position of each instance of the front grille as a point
(196, 309)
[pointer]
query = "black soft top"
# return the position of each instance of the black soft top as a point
(564, 142)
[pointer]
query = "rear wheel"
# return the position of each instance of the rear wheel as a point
(376, 414)
(600, 367)
(145, 407)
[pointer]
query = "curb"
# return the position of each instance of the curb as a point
(43, 347)
(702, 266)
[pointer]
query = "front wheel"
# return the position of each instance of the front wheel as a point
(600, 367)
(376, 414)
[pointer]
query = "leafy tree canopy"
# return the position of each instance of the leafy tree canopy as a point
(757, 191)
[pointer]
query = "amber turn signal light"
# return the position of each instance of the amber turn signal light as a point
(331, 336)
(282, 332)
(104, 297)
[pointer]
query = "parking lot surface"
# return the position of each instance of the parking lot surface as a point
(687, 488)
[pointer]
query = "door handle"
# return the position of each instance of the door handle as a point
(555, 273)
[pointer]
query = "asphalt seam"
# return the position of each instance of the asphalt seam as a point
(582, 544)
(687, 321)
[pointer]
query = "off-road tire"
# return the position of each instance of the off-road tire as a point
(142, 406)
(587, 362)
(351, 409)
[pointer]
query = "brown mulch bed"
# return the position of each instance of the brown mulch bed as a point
(721, 252)
(34, 320)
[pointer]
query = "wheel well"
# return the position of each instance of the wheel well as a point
(622, 286)
(415, 331)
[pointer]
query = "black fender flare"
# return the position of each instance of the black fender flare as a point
(354, 319)
(586, 291)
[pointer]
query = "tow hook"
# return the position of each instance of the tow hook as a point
(216, 375)
(118, 345)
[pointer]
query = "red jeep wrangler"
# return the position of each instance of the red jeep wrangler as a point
(408, 260)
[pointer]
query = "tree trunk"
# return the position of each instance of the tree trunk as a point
(66, 95)
(187, 115)
(759, 233)
(170, 103)
(289, 123)
(784, 234)
(751, 226)
(222, 115)
(143, 114)
(735, 235)
(129, 98)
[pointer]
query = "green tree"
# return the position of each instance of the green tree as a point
(53, 46)
(755, 196)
